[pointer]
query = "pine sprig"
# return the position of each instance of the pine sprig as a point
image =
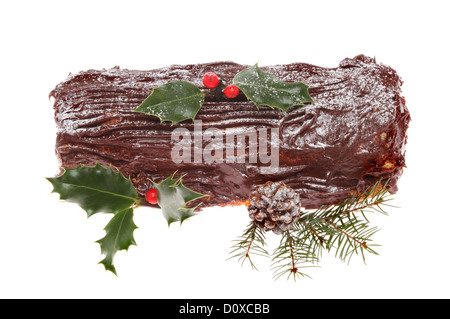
(343, 228)
(349, 235)
(372, 199)
(291, 256)
(250, 243)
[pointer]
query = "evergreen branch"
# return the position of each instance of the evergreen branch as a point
(311, 239)
(334, 227)
(290, 256)
(343, 227)
(372, 199)
(337, 226)
(250, 243)
(351, 235)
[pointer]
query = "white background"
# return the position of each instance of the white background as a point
(48, 249)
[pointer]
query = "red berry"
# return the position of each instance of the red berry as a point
(210, 80)
(151, 196)
(231, 91)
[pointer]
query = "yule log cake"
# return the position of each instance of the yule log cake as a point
(352, 135)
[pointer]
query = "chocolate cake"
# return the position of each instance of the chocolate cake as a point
(353, 134)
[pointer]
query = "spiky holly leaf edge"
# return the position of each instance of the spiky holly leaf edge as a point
(192, 99)
(115, 238)
(263, 88)
(119, 236)
(173, 197)
(173, 102)
(96, 189)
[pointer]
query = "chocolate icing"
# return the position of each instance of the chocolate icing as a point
(351, 136)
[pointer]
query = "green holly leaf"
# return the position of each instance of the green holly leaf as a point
(173, 197)
(263, 88)
(119, 236)
(99, 189)
(174, 102)
(95, 189)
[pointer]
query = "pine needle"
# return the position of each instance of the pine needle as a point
(250, 243)
(343, 228)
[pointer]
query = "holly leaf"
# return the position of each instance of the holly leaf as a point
(95, 189)
(263, 88)
(119, 236)
(174, 102)
(173, 197)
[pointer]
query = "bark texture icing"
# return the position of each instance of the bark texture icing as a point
(351, 136)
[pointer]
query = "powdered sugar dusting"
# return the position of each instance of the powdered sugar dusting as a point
(356, 124)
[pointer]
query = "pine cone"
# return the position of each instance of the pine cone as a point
(274, 206)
